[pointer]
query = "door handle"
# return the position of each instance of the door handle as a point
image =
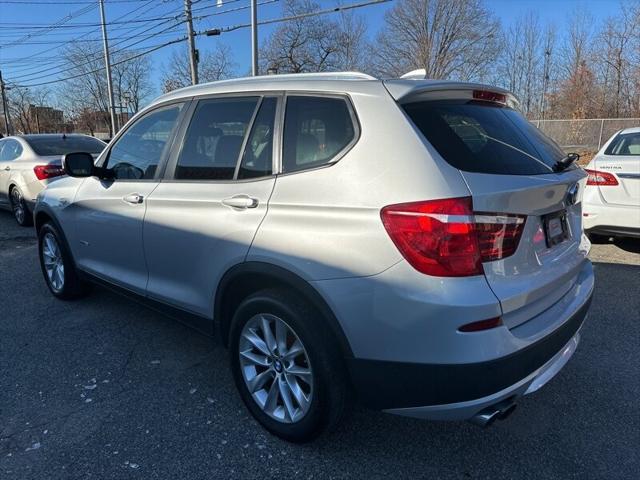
(241, 201)
(133, 198)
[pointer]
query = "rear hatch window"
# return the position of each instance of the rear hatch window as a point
(484, 137)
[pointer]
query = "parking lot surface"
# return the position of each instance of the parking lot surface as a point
(105, 388)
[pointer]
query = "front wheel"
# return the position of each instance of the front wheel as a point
(57, 265)
(287, 368)
(19, 207)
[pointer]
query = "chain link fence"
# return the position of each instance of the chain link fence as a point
(588, 134)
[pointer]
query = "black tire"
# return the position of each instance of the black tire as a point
(19, 207)
(331, 398)
(72, 286)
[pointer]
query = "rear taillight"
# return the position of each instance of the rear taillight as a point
(603, 179)
(44, 172)
(445, 238)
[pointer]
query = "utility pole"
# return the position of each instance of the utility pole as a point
(254, 37)
(5, 106)
(193, 53)
(107, 63)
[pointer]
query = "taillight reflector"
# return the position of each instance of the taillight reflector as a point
(445, 238)
(481, 325)
(44, 172)
(597, 177)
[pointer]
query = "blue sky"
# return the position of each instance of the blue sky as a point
(16, 64)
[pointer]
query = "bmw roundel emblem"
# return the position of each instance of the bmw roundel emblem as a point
(572, 194)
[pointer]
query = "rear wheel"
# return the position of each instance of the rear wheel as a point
(287, 368)
(19, 207)
(57, 265)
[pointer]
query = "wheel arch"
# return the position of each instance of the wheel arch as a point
(42, 215)
(243, 279)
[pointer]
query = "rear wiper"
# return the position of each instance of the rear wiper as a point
(565, 162)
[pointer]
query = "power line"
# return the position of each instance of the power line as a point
(218, 31)
(128, 59)
(212, 32)
(47, 52)
(68, 2)
(93, 57)
(58, 23)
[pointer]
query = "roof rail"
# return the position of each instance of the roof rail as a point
(323, 75)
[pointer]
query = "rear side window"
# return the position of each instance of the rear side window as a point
(214, 139)
(316, 129)
(257, 159)
(624, 144)
(63, 144)
(484, 137)
(10, 150)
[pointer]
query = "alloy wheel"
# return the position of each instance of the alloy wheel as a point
(53, 262)
(276, 369)
(17, 205)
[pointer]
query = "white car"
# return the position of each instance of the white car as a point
(28, 163)
(612, 197)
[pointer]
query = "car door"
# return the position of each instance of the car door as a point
(10, 150)
(203, 216)
(109, 212)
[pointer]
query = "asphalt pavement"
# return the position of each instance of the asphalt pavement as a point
(105, 388)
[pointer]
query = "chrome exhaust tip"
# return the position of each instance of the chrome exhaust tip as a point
(499, 411)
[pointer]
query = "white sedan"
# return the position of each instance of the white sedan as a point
(611, 204)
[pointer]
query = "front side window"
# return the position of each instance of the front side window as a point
(213, 141)
(316, 129)
(10, 150)
(138, 152)
(624, 144)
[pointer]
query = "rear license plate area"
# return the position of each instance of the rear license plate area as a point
(555, 228)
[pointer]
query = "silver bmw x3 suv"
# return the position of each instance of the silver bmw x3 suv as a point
(415, 244)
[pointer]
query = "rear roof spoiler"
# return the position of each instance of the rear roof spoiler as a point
(406, 89)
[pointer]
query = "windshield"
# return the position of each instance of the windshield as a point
(45, 146)
(484, 137)
(624, 144)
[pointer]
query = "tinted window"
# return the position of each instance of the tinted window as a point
(11, 149)
(64, 144)
(214, 138)
(137, 153)
(258, 154)
(484, 137)
(625, 144)
(315, 130)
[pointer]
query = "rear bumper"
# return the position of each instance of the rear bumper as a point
(459, 391)
(609, 219)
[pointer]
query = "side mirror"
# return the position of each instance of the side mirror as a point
(78, 164)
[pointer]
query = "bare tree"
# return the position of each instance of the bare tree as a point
(22, 102)
(614, 57)
(307, 44)
(88, 90)
(214, 65)
(522, 60)
(448, 38)
(353, 47)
